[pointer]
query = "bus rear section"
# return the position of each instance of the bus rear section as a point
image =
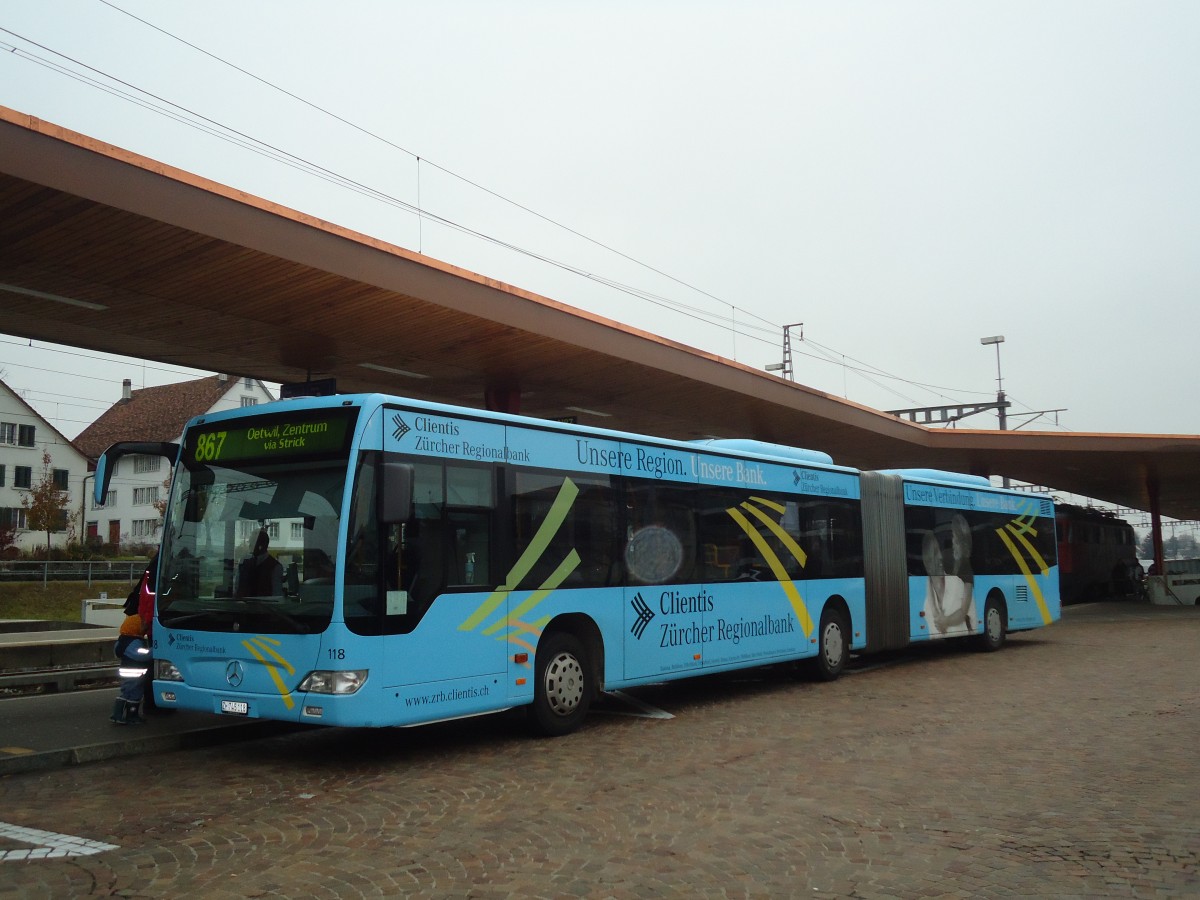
(949, 556)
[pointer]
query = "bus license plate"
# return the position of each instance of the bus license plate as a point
(235, 707)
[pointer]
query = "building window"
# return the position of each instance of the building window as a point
(14, 517)
(249, 401)
(1, 476)
(248, 383)
(25, 435)
(145, 496)
(8, 433)
(297, 531)
(109, 501)
(62, 479)
(145, 528)
(272, 530)
(143, 464)
(22, 476)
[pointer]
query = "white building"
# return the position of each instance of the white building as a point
(132, 513)
(25, 438)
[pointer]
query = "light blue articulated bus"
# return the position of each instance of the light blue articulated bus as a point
(367, 560)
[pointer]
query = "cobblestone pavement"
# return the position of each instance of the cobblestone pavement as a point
(1065, 765)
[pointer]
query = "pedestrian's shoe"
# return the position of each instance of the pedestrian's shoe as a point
(125, 713)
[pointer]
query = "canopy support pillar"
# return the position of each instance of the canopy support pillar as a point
(1156, 525)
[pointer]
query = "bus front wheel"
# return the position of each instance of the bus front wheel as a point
(562, 690)
(833, 645)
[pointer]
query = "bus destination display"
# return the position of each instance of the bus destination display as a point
(266, 438)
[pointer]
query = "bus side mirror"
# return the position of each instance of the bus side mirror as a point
(107, 463)
(103, 477)
(396, 503)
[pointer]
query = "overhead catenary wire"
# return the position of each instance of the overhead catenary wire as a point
(181, 114)
(427, 161)
(247, 142)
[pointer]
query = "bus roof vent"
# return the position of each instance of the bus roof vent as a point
(939, 475)
(765, 448)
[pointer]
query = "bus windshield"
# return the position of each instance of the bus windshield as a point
(249, 543)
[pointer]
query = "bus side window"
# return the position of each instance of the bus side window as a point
(661, 539)
(470, 499)
(470, 556)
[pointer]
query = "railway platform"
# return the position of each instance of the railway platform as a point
(49, 731)
(57, 686)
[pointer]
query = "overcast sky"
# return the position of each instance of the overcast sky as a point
(902, 178)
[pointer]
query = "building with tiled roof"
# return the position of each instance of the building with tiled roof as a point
(132, 513)
(25, 439)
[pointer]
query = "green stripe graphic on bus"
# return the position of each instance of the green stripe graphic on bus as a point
(262, 643)
(537, 547)
(1017, 529)
(768, 554)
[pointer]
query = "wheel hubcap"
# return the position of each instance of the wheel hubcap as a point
(993, 624)
(564, 684)
(833, 645)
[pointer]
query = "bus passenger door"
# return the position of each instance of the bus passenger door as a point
(447, 617)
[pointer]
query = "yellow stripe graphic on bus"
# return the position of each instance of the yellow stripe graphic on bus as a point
(514, 626)
(555, 517)
(557, 577)
(1034, 556)
(776, 529)
(1018, 528)
(777, 566)
(262, 643)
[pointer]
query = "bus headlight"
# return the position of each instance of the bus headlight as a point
(324, 681)
(164, 670)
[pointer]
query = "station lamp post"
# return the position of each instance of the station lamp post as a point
(1001, 406)
(998, 339)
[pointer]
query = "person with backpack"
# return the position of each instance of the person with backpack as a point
(133, 650)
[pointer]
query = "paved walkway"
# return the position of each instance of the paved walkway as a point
(55, 730)
(1065, 765)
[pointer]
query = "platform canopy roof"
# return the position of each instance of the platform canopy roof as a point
(104, 249)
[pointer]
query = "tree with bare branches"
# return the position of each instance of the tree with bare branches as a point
(47, 503)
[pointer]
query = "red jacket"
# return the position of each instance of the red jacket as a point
(146, 597)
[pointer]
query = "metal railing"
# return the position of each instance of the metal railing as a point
(108, 611)
(90, 570)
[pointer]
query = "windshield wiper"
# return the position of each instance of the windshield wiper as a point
(244, 610)
(175, 621)
(280, 614)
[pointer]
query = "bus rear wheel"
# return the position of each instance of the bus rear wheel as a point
(562, 690)
(833, 645)
(994, 627)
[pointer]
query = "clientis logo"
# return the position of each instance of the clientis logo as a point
(644, 616)
(401, 428)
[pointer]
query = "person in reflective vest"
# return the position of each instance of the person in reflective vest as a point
(134, 654)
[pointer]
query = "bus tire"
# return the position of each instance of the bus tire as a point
(833, 645)
(562, 690)
(995, 629)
